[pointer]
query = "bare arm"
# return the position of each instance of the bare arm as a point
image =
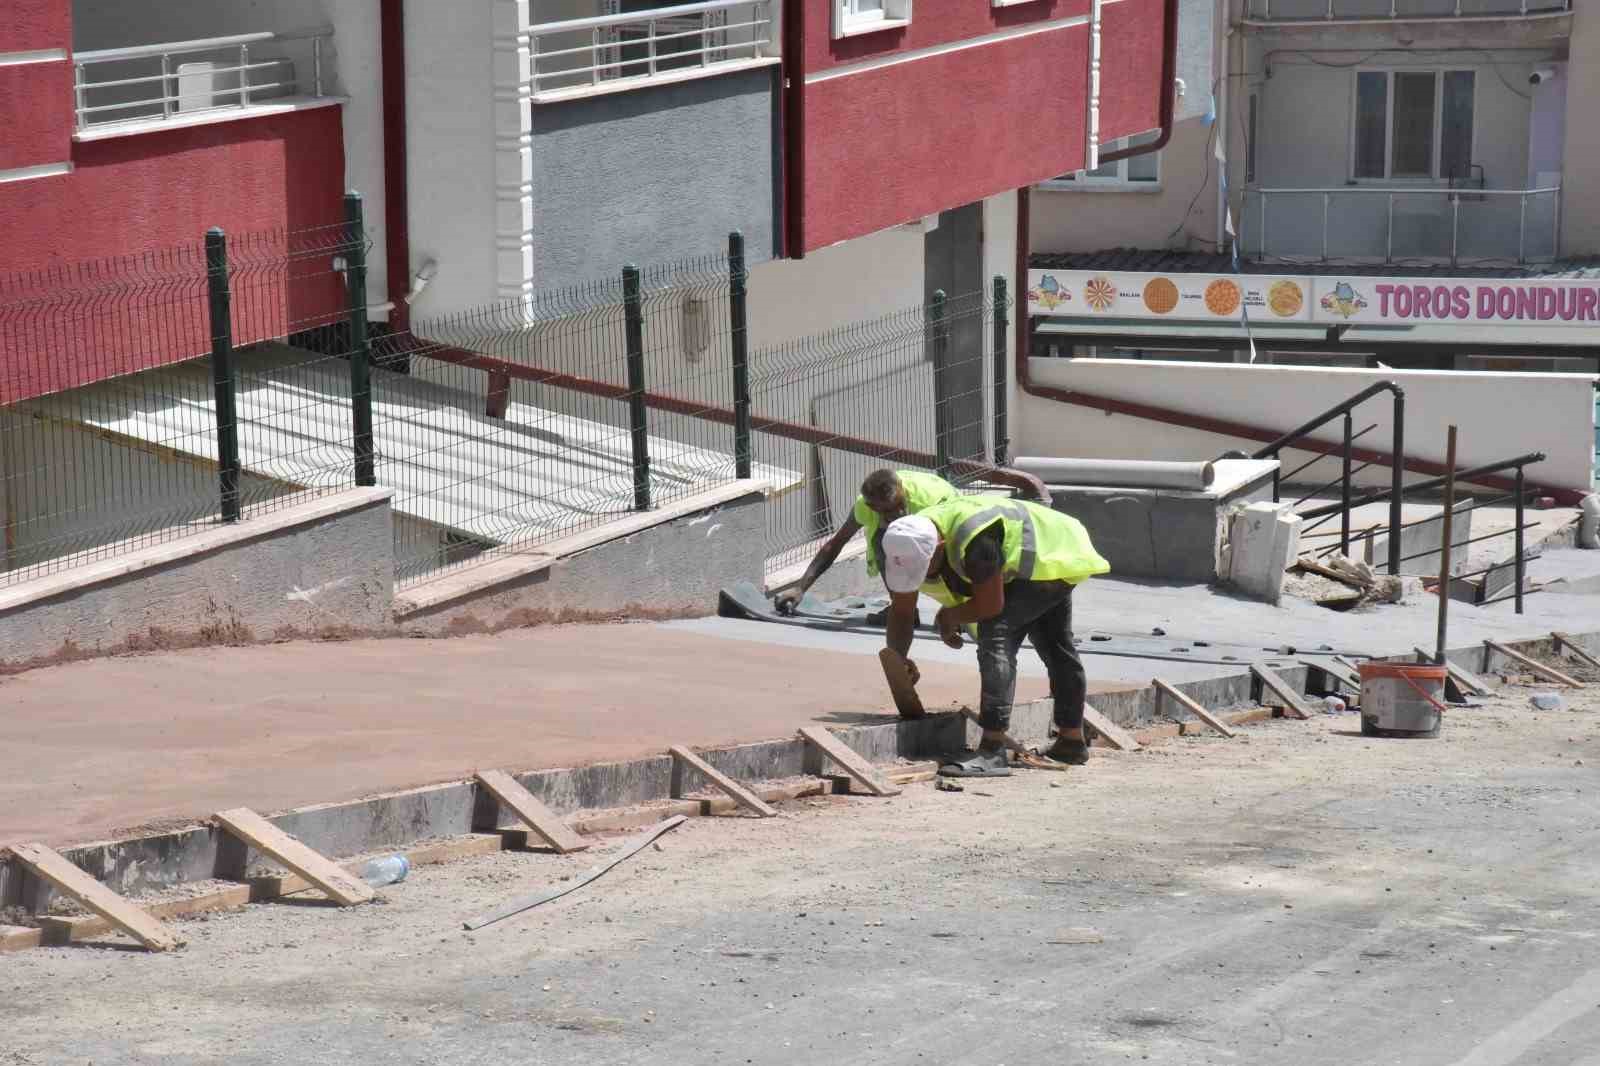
(826, 556)
(1029, 486)
(902, 621)
(988, 600)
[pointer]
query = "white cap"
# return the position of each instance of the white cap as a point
(908, 547)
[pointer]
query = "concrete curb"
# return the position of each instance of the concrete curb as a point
(460, 809)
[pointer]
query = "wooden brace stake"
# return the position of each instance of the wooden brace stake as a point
(1193, 707)
(338, 884)
(153, 933)
(531, 811)
(741, 795)
(854, 765)
(1549, 673)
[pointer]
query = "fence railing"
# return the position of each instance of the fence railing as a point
(1363, 10)
(164, 81)
(631, 48)
(152, 399)
(1387, 223)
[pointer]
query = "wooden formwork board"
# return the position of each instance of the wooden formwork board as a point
(73, 882)
(336, 883)
(854, 765)
(1293, 705)
(741, 795)
(531, 811)
(1193, 707)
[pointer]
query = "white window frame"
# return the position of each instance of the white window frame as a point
(1082, 182)
(849, 22)
(1434, 178)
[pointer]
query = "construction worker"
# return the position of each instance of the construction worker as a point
(885, 496)
(1004, 570)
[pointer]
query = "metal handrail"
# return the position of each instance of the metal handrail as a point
(1331, 13)
(1346, 478)
(1453, 195)
(166, 51)
(720, 44)
(205, 44)
(602, 22)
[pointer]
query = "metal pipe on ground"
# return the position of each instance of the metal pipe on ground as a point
(1119, 473)
(1445, 545)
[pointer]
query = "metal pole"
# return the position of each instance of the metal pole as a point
(1344, 492)
(1522, 565)
(316, 65)
(1522, 230)
(1455, 228)
(166, 85)
(244, 75)
(222, 371)
(1444, 550)
(740, 327)
(633, 305)
(941, 383)
(81, 91)
(360, 348)
(1002, 380)
(1388, 255)
(1397, 480)
(1325, 199)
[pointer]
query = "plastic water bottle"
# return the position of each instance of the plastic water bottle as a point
(386, 871)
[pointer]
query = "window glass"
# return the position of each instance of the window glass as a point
(1372, 123)
(1414, 98)
(1455, 132)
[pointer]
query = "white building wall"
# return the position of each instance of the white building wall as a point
(1277, 399)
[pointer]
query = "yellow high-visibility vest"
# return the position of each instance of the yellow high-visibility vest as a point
(1039, 544)
(922, 492)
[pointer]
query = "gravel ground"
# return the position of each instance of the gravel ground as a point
(1299, 894)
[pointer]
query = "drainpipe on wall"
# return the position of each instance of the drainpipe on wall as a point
(792, 120)
(1169, 92)
(397, 221)
(1091, 125)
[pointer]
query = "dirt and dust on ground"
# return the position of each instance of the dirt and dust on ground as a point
(1299, 894)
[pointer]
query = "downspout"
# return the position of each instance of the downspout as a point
(1167, 415)
(1091, 124)
(793, 121)
(1169, 79)
(396, 207)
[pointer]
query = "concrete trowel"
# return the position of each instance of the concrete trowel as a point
(898, 674)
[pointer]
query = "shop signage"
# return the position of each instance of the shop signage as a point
(1332, 301)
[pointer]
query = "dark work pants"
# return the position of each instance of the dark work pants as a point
(1041, 612)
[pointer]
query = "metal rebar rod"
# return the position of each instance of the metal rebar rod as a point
(1444, 546)
(1344, 487)
(633, 305)
(740, 334)
(222, 375)
(1397, 456)
(1522, 565)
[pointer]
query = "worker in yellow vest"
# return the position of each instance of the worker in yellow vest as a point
(1004, 570)
(885, 496)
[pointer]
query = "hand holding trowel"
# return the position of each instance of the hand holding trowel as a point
(902, 675)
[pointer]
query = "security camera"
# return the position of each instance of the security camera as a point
(1542, 75)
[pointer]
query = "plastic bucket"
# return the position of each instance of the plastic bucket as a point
(1401, 699)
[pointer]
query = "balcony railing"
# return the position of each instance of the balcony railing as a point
(180, 78)
(575, 56)
(1384, 224)
(1398, 10)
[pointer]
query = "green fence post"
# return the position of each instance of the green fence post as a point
(938, 315)
(1002, 335)
(633, 306)
(739, 321)
(360, 347)
(222, 376)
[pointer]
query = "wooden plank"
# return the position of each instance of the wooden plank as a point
(1194, 708)
(1564, 641)
(906, 700)
(851, 763)
(60, 930)
(532, 812)
(1331, 666)
(335, 882)
(1113, 734)
(19, 938)
(1466, 680)
(1549, 673)
(1293, 706)
(741, 795)
(71, 881)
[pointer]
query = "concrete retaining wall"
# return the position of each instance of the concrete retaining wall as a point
(323, 565)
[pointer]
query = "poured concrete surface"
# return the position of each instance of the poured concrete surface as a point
(1296, 896)
(90, 749)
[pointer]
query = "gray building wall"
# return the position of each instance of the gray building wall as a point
(654, 174)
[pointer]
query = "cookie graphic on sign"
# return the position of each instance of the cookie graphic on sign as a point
(1100, 294)
(1160, 295)
(1285, 299)
(1222, 297)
